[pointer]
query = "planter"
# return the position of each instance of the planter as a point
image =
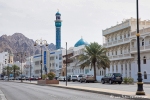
(48, 82)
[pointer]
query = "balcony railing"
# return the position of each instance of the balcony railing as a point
(125, 56)
(142, 48)
(142, 31)
(116, 42)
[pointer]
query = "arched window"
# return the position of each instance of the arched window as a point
(143, 42)
(116, 37)
(124, 35)
(144, 60)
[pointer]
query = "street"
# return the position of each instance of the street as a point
(22, 91)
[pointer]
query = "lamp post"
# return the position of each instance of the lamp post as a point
(41, 43)
(30, 68)
(140, 90)
(21, 54)
(66, 64)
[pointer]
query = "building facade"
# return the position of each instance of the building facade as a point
(120, 41)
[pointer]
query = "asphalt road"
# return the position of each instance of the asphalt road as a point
(22, 91)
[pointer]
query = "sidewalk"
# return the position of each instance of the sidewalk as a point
(111, 92)
(2, 96)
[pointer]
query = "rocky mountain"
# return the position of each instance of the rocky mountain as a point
(20, 43)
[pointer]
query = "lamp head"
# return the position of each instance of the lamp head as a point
(35, 44)
(46, 44)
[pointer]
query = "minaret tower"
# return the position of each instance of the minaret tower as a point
(58, 30)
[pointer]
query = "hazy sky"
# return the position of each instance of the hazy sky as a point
(86, 18)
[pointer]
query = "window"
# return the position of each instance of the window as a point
(121, 51)
(56, 65)
(50, 64)
(56, 57)
(116, 37)
(112, 52)
(113, 68)
(130, 66)
(121, 36)
(128, 34)
(100, 72)
(122, 69)
(111, 38)
(108, 53)
(132, 44)
(116, 68)
(126, 69)
(124, 35)
(144, 60)
(143, 42)
(108, 40)
(116, 52)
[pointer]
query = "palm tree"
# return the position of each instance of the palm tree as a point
(94, 54)
(16, 70)
(8, 70)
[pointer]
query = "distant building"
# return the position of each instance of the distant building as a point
(121, 43)
(6, 59)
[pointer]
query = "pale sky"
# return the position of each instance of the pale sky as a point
(86, 18)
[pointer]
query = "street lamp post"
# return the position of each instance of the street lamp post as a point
(66, 64)
(21, 54)
(30, 68)
(140, 90)
(41, 43)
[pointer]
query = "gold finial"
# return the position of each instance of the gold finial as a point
(81, 37)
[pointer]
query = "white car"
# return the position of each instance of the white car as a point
(61, 78)
(75, 78)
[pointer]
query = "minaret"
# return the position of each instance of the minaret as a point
(58, 30)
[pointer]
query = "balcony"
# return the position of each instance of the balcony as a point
(116, 28)
(142, 49)
(119, 57)
(142, 32)
(117, 42)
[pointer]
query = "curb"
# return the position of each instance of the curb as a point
(112, 95)
(2, 96)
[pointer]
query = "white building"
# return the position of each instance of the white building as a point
(51, 62)
(5, 60)
(21, 66)
(120, 40)
(29, 66)
(73, 65)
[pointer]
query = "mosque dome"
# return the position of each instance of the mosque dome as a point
(80, 42)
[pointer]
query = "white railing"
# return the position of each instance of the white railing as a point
(116, 28)
(120, 56)
(116, 42)
(142, 31)
(147, 47)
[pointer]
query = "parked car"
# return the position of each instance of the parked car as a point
(61, 78)
(112, 78)
(11, 78)
(75, 78)
(80, 76)
(87, 78)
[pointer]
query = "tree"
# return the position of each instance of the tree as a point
(16, 70)
(8, 70)
(94, 54)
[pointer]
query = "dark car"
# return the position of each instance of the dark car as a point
(112, 78)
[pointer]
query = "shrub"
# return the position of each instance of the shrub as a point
(130, 80)
(51, 75)
(127, 80)
(44, 77)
